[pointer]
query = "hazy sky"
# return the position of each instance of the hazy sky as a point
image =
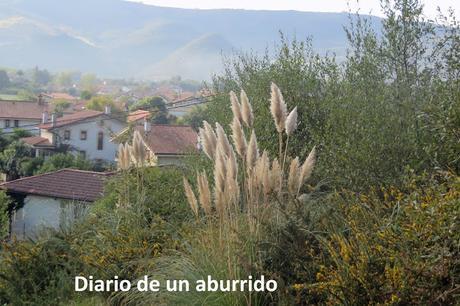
(366, 6)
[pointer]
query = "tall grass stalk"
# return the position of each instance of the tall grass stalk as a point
(246, 187)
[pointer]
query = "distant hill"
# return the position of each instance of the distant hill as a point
(125, 39)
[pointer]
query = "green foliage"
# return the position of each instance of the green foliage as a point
(12, 157)
(353, 126)
(161, 195)
(5, 202)
(156, 105)
(397, 246)
(99, 102)
(64, 79)
(26, 94)
(62, 160)
(86, 95)
(60, 106)
(88, 83)
(18, 133)
(40, 77)
(195, 117)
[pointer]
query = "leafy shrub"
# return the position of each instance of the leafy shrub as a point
(5, 202)
(398, 246)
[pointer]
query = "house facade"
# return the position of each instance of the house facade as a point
(21, 114)
(52, 200)
(86, 132)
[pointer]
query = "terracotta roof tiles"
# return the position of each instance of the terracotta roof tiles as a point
(71, 119)
(138, 115)
(37, 141)
(170, 139)
(21, 110)
(68, 184)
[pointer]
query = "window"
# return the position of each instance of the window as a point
(100, 141)
(83, 154)
(67, 135)
(7, 123)
(16, 123)
(83, 135)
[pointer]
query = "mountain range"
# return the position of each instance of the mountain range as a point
(116, 38)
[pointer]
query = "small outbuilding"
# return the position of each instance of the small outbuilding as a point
(53, 199)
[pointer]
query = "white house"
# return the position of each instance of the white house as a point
(86, 132)
(52, 200)
(21, 114)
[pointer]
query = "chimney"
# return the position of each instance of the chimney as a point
(53, 120)
(40, 99)
(107, 110)
(147, 125)
(45, 117)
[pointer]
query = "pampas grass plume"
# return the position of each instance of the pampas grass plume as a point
(236, 106)
(239, 139)
(307, 167)
(222, 139)
(294, 176)
(291, 122)
(278, 108)
(204, 193)
(138, 149)
(208, 140)
(191, 197)
(253, 151)
(246, 110)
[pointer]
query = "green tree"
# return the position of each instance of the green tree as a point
(157, 106)
(88, 82)
(195, 117)
(62, 160)
(64, 79)
(99, 102)
(40, 77)
(86, 95)
(60, 106)
(26, 94)
(12, 157)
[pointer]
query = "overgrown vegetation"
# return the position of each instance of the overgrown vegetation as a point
(367, 215)
(5, 202)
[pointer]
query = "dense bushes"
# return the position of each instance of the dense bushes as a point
(5, 202)
(398, 246)
(381, 110)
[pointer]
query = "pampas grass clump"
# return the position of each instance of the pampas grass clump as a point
(261, 178)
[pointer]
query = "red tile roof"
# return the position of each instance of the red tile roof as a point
(37, 141)
(138, 115)
(68, 184)
(170, 139)
(79, 105)
(21, 109)
(60, 96)
(71, 119)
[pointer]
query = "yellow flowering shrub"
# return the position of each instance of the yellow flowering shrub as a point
(397, 246)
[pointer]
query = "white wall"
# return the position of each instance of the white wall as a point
(23, 123)
(43, 212)
(92, 128)
(164, 160)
